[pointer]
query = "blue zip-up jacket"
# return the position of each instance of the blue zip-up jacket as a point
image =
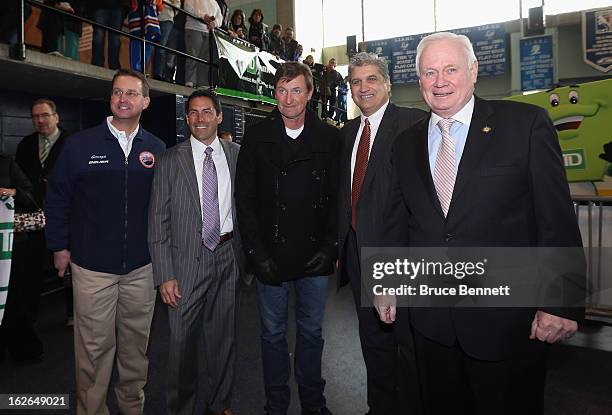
(98, 201)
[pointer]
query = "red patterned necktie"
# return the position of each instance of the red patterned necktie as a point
(361, 165)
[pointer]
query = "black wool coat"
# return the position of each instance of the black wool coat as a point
(286, 200)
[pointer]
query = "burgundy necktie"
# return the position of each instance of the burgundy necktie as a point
(361, 165)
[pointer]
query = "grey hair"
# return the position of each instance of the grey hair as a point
(461, 39)
(364, 59)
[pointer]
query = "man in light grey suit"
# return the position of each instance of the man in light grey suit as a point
(195, 250)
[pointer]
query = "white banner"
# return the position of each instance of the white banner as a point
(7, 215)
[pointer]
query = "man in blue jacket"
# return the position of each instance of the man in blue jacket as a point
(97, 204)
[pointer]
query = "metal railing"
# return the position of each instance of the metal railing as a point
(18, 51)
(594, 241)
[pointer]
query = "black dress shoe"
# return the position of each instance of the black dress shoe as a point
(322, 411)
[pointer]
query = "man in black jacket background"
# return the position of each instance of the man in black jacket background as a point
(36, 155)
(286, 185)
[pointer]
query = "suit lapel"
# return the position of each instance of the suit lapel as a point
(384, 136)
(185, 161)
(479, 137)
(349, 141)
(422, 160)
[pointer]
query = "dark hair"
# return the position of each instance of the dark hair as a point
(47, 101)
(133, 74)
(238, 12)
(288, 71)
(251, 21)
(277, 26)
(209, 93)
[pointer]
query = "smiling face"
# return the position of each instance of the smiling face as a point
(292, 97)
(446, 81)
(203, 120)
(127, 101)
(369, 89)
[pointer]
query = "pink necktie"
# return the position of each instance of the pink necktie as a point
(444, 171)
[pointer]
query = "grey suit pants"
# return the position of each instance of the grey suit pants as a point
(202, 335)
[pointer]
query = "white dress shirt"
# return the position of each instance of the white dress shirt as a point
(375, 120)
(224, 180)
(124, 141)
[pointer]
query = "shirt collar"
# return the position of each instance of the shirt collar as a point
(52, 138)
(120, 135)
(198, 147)
(464, 116)
(377, 116)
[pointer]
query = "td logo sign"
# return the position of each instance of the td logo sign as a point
(574, 159)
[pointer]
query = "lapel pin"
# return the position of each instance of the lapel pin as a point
(486, 129)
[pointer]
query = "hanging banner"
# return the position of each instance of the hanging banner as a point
(489, 42)
(537, 65)
(244, 70)
(597, 38)
(7, 213)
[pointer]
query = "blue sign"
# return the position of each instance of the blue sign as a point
(597, 38)
(489, 42)
(537, 66)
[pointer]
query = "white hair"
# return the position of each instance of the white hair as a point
(461, 39)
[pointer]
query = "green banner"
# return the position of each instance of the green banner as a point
(245, 71)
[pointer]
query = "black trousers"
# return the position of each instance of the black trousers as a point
(455, 383)
(386, 373)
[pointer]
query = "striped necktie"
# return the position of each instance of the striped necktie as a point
(44, 151)
(211, 223)
(444, 170)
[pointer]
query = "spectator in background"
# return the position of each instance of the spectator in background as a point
(309, 61)
(73, 29)
(9, 12)
(240, 33)
(36, 156)
(275, 43)
(290, 45)
(258, 30)
(175, 64)
(142, 23)
(342, 104)
(109, 13)
(51, 25)
(237, 22)
(197, 39)
(166, 22)
(329, 82)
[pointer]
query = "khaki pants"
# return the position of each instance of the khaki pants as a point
(112, 314)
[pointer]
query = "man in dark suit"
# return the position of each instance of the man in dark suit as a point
(36, 155)
(479, 173)
(195, 249)
(364, 187)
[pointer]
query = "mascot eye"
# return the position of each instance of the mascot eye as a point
(573, 97)
(554, 100)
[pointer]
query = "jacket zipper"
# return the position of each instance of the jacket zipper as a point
(125, 222)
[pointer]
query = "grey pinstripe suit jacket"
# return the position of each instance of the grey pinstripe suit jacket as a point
(175, 218)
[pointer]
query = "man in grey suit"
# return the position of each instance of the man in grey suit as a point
(195, 250)
(365, 173)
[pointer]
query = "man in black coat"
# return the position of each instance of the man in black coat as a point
(361, 217)
(36, 155)
(483, 173)
(286, 185)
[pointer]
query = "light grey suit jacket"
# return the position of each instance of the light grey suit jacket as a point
(175, 216)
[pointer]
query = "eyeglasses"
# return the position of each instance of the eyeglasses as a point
(43, 116)
(130, 93)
